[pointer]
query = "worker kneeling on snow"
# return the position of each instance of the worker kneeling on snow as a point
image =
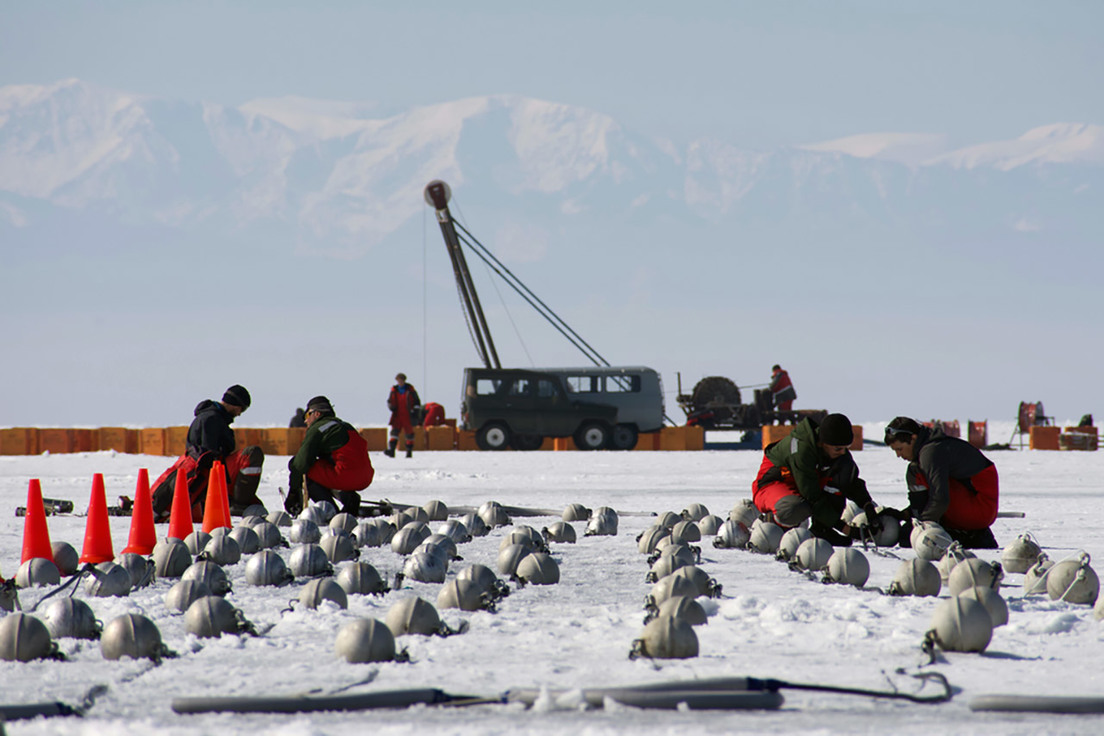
(949, 481)
(332, 462)
(811, 473)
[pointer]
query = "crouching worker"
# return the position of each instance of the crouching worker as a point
(332, 463)
(211, 438)
(949, 482)
(811, 474)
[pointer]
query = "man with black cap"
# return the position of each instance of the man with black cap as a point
(331, 465)
(811, 473)
(211, 438)
(950, 482)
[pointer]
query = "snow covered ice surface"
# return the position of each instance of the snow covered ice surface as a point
(769, 622)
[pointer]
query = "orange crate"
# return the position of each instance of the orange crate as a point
(176, 440)
(118, 439)
(1044, 438)
(774, 432)
(647, 441)
(19, 441)
(441, 438)
(151, 441)
(55, 440)
(465, 440)
(376, 437)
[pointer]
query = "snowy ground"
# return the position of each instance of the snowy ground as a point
(770, 622)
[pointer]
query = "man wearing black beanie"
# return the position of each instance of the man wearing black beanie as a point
(811, 473)
(211, 438)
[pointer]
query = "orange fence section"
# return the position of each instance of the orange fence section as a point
(774, 432)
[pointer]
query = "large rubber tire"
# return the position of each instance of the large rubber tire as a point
(714, 391)
(624, 437)
(493, 436)
(591, 436)
(526, 442)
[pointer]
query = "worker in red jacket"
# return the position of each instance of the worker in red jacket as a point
(782, 390)
(405, 409)
(950, 482)
(331, 465)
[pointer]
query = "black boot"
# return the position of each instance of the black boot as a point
(974, 538)
(390, 451)
(833, 537)
(409, 451)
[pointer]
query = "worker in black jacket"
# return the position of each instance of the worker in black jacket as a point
(211, 438)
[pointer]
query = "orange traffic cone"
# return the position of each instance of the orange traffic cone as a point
(143, 534)
(36, 536)
(180, 520)
(216, 509)
(97, 531)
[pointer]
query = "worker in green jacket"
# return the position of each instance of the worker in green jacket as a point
(811, 474)
(331, 465)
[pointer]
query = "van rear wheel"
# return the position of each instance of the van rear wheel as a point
(493, 436)
(591, 436)
(526, 442)
(624, 437)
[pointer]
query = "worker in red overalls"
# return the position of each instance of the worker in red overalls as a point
(405, 409)
(782, 390)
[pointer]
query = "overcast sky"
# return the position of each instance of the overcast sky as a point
(754, 74)
(762, 73)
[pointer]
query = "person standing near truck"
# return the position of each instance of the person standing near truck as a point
(405, 409)
(782, 390)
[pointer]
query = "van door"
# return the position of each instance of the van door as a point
(521, 410)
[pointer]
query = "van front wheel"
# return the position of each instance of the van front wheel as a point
(591, 436)
(624, 437)
(493, 436)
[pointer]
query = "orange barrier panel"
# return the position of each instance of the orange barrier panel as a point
(376, 437)
(1044, 438)
(118, 439)
(672, 439)
(176, 440)
(274, 441)
(1079, 438)
(774, 432)
(695, 438)
(83, 440)
(647, 441)
(563, 444)
(151, 441)
(54, 440)
(441, 437)
(465, 440)
(19, 441)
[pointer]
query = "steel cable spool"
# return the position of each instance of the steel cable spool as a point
(931, 543)
(196, 541)
(510, 557)
(131, 635)
(339, 548)
(704, 584)
(360, 578)
(732, 535)
(650, 538)
(962, 625)
(426, 568)
(24, 638)
(465, 595)
(267, 568)
(538, 568)
(413, 615)
(37, 571)
(455, 530)
(560, 532)
(916, 577)
(492, 514)
(246, 538)
(407, 538)
(685, 532)
(211, 616)
(475, 525)
(667, 637)
(791, 541)
(67, 617)
(695, 512)
(974, 573)
(848, 566)
(709, 525)
(575, 512)
(269, 536)
(108, 580)
(744, 512)
(66, 558)
(183, 593)
(305, 531)
(1034, 582)
(170, 558)
(994, 603)
(1021, 554)
(436, 510)
(139, 567)
(365, 640)
(686, 608)
(602, 523)
(323, 589)
(1073, 581)
(345, 522)
(210, 574)
(308, 561)
(223, 550)
(955, 554)
(813, 554)
(765, 538)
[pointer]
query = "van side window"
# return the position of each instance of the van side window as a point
(546, 389)
(623, 384)
(486, 387)
(582, 384)
(520, 387)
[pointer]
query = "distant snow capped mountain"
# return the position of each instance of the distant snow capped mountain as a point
(343, 178)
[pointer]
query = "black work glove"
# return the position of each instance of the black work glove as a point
(293, 504)
(873, 519)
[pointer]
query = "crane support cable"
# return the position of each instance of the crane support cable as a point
(526, 293)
